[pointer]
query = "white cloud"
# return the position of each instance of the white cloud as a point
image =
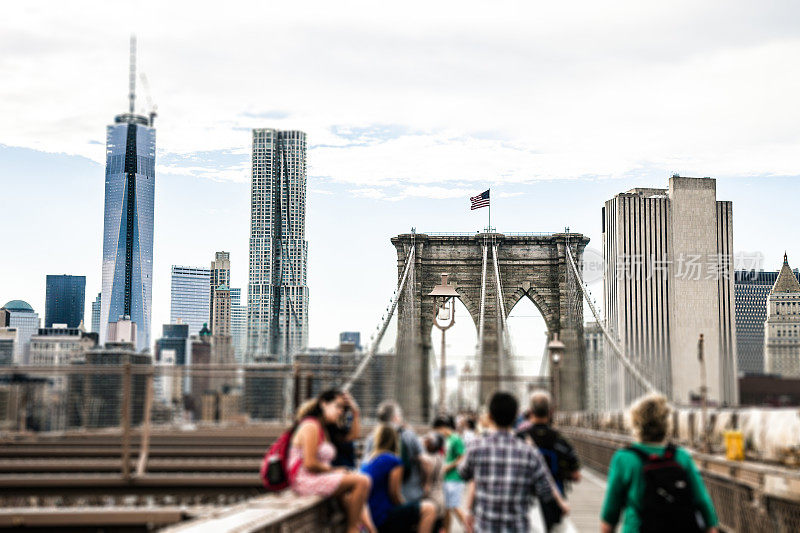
(471, 92)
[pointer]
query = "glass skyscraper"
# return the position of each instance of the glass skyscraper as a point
(277, 304)
(64, 300)
(190, 297)
(96, 314)
(751, 289)
(127, 289)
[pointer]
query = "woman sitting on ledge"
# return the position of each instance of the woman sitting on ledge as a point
(313, 450)
(386, 504)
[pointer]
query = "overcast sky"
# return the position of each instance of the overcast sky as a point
(409, 111)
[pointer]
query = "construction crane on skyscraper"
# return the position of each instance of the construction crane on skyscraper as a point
(153, 108)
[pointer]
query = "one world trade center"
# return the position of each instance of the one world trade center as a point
(127, 290)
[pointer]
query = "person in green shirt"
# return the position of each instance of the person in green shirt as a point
(625, 489)
(453, 484)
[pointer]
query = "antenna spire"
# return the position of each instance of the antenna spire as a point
(132, 76)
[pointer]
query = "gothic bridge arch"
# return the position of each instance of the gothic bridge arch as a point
(530, 265)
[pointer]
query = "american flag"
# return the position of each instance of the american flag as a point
(482, 200)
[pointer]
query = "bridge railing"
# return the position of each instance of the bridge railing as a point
(58, 398)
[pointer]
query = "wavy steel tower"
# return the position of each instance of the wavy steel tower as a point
(128, 219)
(277, 303)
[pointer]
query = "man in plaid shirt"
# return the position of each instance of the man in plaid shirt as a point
(507, 472)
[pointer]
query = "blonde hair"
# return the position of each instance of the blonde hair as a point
(385, 440)
(650, 418)
(305, 409)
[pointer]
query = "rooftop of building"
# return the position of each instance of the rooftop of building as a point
(648, 192)
(786, 282)
(132, 118)
(18, 305)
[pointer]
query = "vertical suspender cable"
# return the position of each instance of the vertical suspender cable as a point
(483, 300)
(501, 307)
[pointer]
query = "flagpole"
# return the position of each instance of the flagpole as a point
(490, 211)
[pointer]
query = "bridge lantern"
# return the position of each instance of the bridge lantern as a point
(445, 289)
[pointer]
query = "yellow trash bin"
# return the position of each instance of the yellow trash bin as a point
(734, 446)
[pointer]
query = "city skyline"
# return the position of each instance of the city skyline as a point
(359, 154)
(299, 233)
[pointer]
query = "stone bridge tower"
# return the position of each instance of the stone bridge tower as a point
(531, 266)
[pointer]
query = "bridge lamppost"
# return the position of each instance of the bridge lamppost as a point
(444, 317)
(556, 349)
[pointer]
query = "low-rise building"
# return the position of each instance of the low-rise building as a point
(58, 345)
(8, 344)
(20, 315)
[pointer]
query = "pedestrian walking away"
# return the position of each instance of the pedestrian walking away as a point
(653, 485)
(559, 454)
(507, 473)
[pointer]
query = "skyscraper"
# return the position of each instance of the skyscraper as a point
(277, 304)
(751, 288)
(782, 327)
(128, 219)
(96, 314)
(65, 298)
(189, 297)
(222, 343)
(668, 278)
(238, 325)
(221, 314)
(220, 275)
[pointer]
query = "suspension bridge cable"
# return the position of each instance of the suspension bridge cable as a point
(627, 363)
(382, 330)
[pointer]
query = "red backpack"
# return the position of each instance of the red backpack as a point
(275, 473)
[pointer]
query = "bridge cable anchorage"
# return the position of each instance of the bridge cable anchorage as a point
(385, 324)
(627, 363)
(505, 337)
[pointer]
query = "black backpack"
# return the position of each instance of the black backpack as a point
(668, 505)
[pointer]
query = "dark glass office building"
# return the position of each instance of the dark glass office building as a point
(65, 297)
(751, 288)
(174, 337)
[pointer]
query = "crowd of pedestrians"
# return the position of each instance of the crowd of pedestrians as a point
(484, 473)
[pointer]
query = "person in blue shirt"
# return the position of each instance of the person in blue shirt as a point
(390, 513)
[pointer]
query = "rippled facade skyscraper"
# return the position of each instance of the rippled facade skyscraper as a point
(277, 299)
(127, 289)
